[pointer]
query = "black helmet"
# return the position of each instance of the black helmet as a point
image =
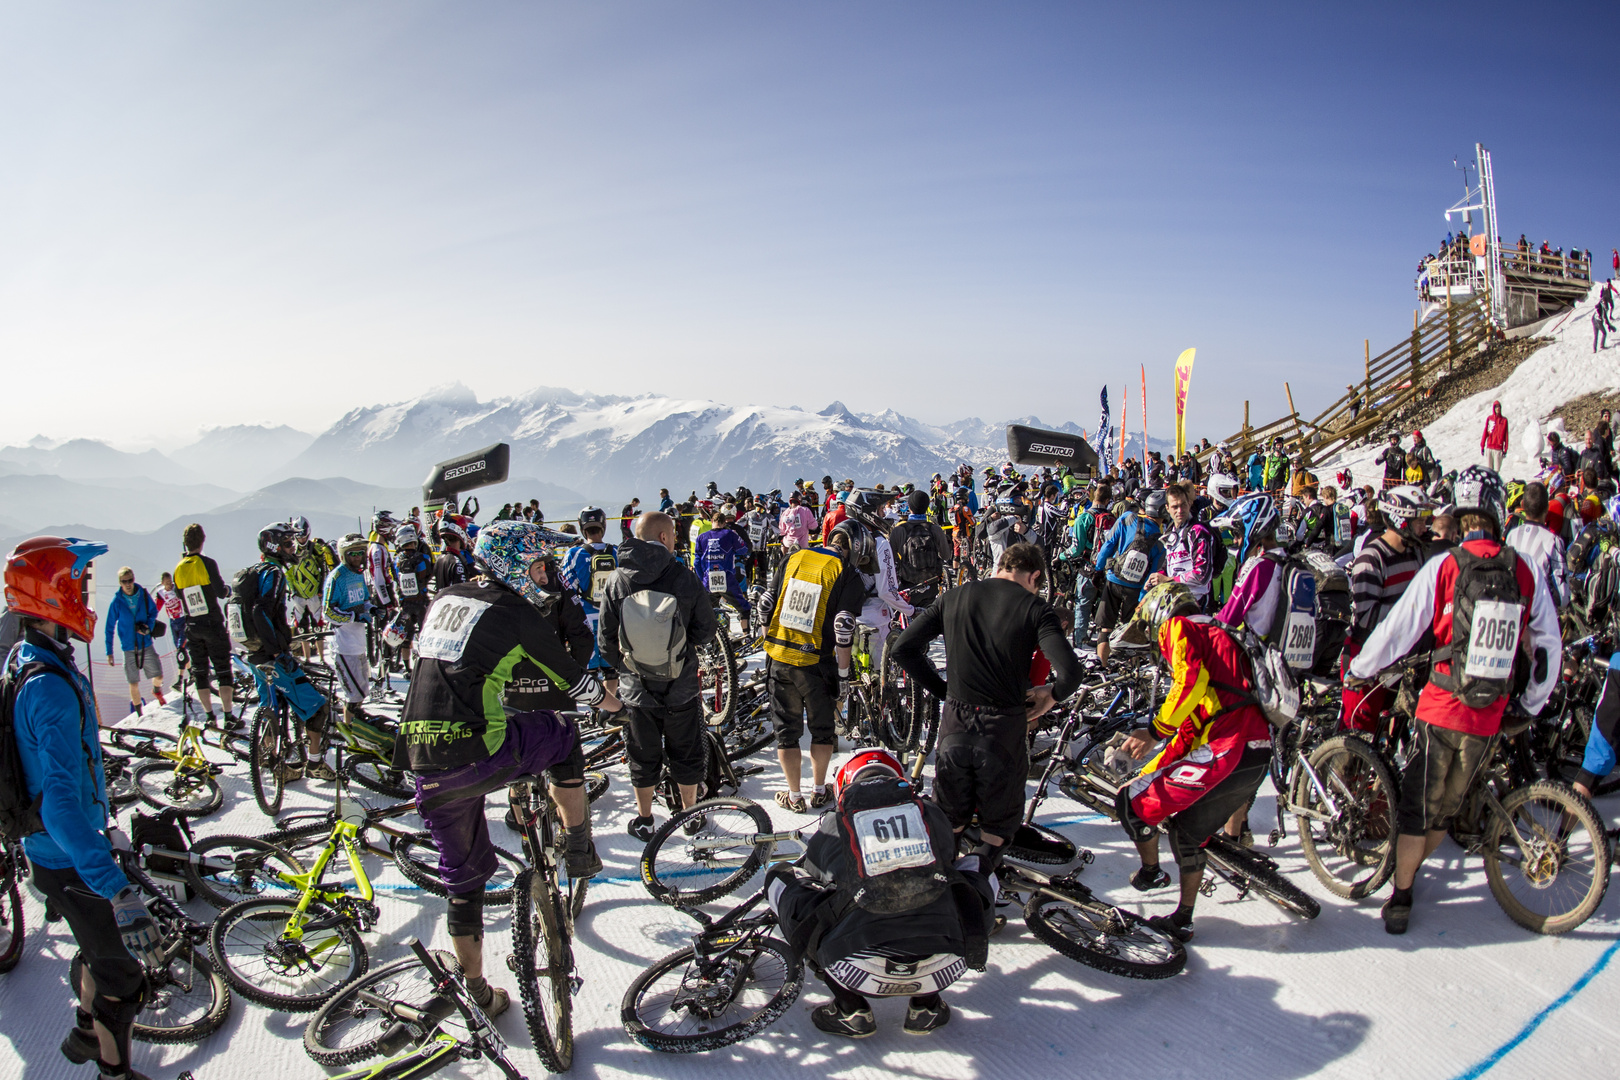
(1153, 506)
(273, 537)
(867, 507)
(1479, 490)
(862, 549)
(592, 515)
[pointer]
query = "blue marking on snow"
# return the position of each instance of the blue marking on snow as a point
(1536, 1021)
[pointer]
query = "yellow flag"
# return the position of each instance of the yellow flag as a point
(1184, 364)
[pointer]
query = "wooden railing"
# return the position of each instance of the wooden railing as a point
(1390, 381)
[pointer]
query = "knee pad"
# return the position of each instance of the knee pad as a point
(1138, 830)
(465, 917)
(118, 1015)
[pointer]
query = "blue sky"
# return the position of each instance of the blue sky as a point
(278, 212)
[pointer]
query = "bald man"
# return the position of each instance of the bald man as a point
(656, 657)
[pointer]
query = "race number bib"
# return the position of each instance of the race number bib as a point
(892, 838)
(799, 602)
(1299, 639)
(599, 581)
(449, 624)
(407, 585)
(717, 581)
(196, 602)
(1494, 640)
(233, 617)
(1133, 567)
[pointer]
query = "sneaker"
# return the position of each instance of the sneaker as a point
(792, 800)
(821, 798)
(1397, 914)
(855, 1025)
(920, 1020)
(693, 824)
(496, 1003)
(512, 821)
(319, 770)
(1167, 924)
(641, 828)
(1149, 878)
(288, 773)
(81, 1045)
(583, 864)
(232, 723)
(1242, 839)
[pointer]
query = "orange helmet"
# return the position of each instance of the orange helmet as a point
(864, 759)
(45, 580)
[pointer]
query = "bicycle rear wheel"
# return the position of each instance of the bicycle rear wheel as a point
(683, 1006)
(190, 789)
(543, 961)
(13, 924)
(684, 870)
(266, 965)
(1352, 851)
(1102, 936)
(418, 859)
(1253, 871)
(374, 774)
(1553, 883)
(253, 865)
(267, 750)
(349, 1027)
(717, 679)
(186, 1000)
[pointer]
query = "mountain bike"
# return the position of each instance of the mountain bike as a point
(186, 1000)
(1558, 740)
(177, 772)
(544, 903)
(875, 710)
(277, 741)
(13, 924)
(420, 1001)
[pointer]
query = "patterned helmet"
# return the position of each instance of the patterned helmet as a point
(273, 537)
(300, 525)
(45, 579)
(1479, 490)
(383, 523)
(1253, 516)
(449, 529)
(1158, 605)
(351, 544)
(1406, 509)
(1222, 489)
(867, 507)
(505, 550)
(866, 758)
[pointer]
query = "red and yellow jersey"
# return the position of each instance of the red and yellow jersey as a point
(1203, 658)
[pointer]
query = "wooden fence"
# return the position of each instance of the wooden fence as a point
(1390, 381)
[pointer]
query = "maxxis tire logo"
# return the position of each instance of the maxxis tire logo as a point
(463, 470)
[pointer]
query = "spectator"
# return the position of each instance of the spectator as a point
(1493, 440)
(168, 598)
(1423, 457)
(1593, 459)
(631, 509)
(131, 615)
(1562, 456)
(1393, 459)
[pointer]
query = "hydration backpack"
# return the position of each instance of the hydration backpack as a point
(1274, 685)
(894, 866)
(600, 566)
(1293, 628)
(916, 552)
(652, 635)
(1131, 565)
(19, 815)
(239, 608)
(1487, 613)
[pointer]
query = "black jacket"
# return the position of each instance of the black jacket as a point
(645, 564)
(530, 688)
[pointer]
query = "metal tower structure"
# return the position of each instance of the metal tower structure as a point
(1486, 194)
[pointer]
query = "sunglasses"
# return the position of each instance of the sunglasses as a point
(126, 581)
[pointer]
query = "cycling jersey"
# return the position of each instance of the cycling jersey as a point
(720, 554)
(1120, 539)
(1189, 557)
(347, 601)
(414, 573)
(1207, 712)
(380, 572)
(1253, 602)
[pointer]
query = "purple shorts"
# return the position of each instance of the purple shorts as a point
(451, 801)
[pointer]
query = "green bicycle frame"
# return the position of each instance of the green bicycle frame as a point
(425, 1060)
(308, 884)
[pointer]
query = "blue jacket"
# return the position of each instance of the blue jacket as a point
(122, 615)
(1120, 538)
(1257, 468)
(61, 759)
(347, 596)
(723, 550)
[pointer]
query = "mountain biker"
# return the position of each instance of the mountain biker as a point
(586, 569)
(131, 615)
(259, 599)
(655, 616)
(1539, 544)
(349, 607)
(1452, 739)
(379, 564)
(171, 605)
(719, 559)
(413, 572)
(921, 552)
(202, 587)
(992, 629)
(1189, 547)
(455, 734)
(918, 948)
(1128, 557)
(450, 568)
(1378, 577)
(313, 559)
(54, 722)
(866, 527)
(1216, 753)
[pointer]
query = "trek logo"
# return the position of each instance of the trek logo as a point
(1048, 448)
(463, 470)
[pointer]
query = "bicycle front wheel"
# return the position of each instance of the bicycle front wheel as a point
(543, 961)
(266, 751)
(1102, 936)
(13, 926)
(350, 1026)
(1251, 870)
(1347, 828)
(186, 1000)
(1555, 880)
(190, 789)
(681, 1005)
(265, 963)
(252, 868)
(686, 869)
(717, 679)
(418, 859)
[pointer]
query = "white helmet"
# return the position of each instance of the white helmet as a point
(1222, 489)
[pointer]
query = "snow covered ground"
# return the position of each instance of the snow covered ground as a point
(1559, 372)
(1265, 996)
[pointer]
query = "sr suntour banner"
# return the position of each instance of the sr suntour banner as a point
(475, 470)
(1034, 446)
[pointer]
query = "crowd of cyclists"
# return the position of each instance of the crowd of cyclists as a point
(1220, 610)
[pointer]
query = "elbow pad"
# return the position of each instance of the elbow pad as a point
(843, 630)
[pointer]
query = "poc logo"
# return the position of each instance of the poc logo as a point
(1048, 448)
(463, 470)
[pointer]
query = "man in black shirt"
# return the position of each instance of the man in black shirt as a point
(992, 629)
(451, 567)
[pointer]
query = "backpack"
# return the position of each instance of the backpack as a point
(1274, 687)
(1293, 628)
(19, 815)
(1343, 529)
(600, 565)
(239, 608)
(1217, 552)
(917, 553)
(1487, 611)
(1131, 565)
(894, 867)
(652, 635)
(1334, 610)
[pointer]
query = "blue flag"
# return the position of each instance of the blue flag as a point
(1105, 440)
